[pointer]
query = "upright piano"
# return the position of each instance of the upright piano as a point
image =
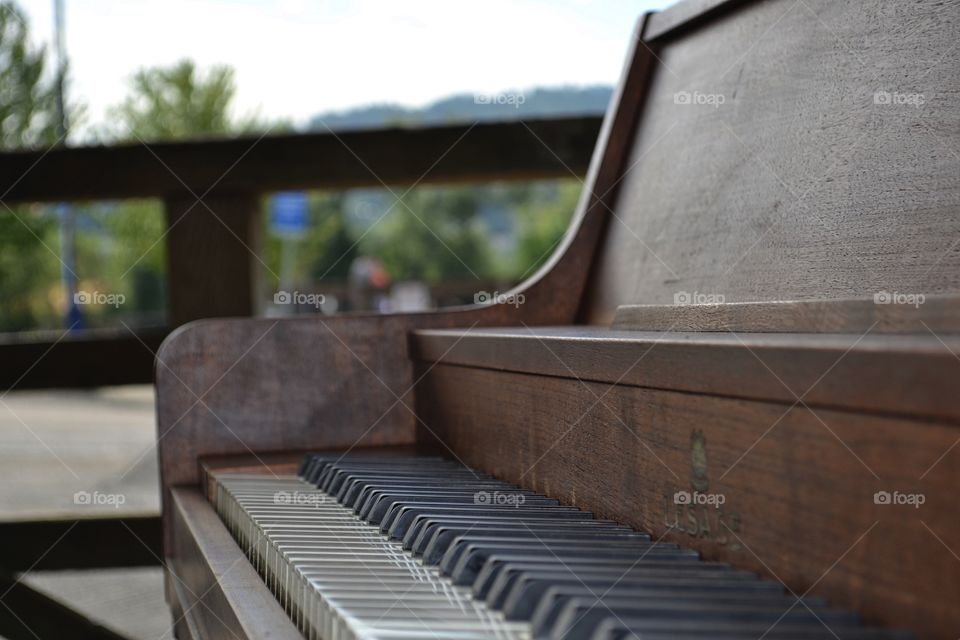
(728, 406)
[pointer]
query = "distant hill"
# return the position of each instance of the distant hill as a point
(507, 105)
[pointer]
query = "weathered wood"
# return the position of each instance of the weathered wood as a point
(911, 375)
(213, 250)
(820, 175)
(218, 592)
(86, 359)
(925, 315)
(451, 153)
(27, 614)
(87, 543)
(798, 485)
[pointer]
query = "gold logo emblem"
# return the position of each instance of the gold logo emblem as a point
(698, 459)
(698, 512)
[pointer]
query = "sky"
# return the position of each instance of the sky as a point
(296, 58)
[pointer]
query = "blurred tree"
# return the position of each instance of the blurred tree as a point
(27, 107)
(179, 101)
(542, 222)
(28, 270)
(446, 242)
(29, 273)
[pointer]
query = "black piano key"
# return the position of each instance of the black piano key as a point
(443, 540)
(393, 508)
(333, 476)
(470, 564)
(320, 465)
(465, 550)
(363, 499)
(340, 481)
(396, 522)
(692, 592)
(519, 598)
(628, 628)
(422, 530)
(576, 618)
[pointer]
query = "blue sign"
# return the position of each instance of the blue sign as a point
(288, 213)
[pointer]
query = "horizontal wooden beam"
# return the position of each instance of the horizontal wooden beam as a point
(88, 543)
(911, 375)
(885, 313)
(454, 153)
(87, 359)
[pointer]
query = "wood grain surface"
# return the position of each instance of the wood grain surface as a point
(798, 484)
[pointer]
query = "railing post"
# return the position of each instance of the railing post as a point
(212, 249)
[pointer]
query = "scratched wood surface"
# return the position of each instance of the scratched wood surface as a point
(766, 169)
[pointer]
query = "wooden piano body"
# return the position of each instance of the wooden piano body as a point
(785, 161)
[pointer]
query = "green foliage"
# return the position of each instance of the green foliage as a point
(543, 222)
(29, 273)
(27, 107)
(28, 270)
(120, 250)
(167, 103)
(431, 235)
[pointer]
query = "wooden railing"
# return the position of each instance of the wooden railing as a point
(211, 192)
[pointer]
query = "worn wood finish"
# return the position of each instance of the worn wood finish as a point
(85, 359)
(798, 484)
(474, 152)
(218, 592)
(933, 314)
(241, 386)
(798, 186)
(911, 375)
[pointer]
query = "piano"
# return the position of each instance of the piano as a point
(726, 407)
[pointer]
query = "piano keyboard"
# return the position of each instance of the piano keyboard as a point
(379, 547)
